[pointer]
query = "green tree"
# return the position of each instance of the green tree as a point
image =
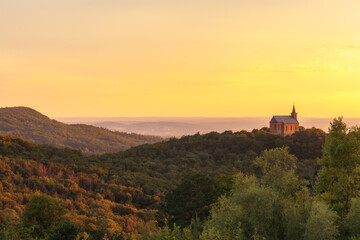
(306, 144)
(42, 214)
(352, 220)
(193, 197)
(296, 213)
(166, 233)
(278, 169)
(8, 230)
(224, 222)
(251, 210)
(321, 223)
(276, 206)
(339, 176)
(65, 231)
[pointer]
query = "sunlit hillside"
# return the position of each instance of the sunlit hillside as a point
(31, 125)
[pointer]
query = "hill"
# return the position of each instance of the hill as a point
(123, 192)
(160, 166)
(55, 172)
(128, 188)
(33, 126)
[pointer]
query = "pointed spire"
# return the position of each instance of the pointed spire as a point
(294, 114)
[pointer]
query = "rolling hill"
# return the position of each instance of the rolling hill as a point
(123, 193)
(31, 125)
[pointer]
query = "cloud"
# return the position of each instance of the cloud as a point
(353, 47)
(210, 83)
(320, 67)
(263, 68)
(330, 60)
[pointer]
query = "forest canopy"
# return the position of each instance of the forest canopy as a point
(142, 192)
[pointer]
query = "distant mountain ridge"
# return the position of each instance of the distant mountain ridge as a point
(31, 125)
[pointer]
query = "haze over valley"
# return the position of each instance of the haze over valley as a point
(179, 126)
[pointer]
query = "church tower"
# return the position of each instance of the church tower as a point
(294, 113)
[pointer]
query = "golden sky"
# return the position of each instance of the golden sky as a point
(181, 58)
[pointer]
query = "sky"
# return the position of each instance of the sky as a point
(209, 58)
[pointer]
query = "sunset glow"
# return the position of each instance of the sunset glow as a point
(181, 58)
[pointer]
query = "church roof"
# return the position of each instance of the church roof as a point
(284, 119)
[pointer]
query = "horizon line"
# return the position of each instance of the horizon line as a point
(58, 117)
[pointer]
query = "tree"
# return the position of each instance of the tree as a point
(251, 210)
(8, 229)
(339, 176)
(42, 214)
(296, 212)
(306, 144)
(275, 206)
(193, 197)
(224, 222)
(321, 223)
(65, 231)
(278, 169)
(352, 220)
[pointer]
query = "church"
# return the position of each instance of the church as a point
(284, 125)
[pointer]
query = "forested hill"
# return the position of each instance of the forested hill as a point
(33, 126)
(158, 167)
(122, 193)
(28, 169)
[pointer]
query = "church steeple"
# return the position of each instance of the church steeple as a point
(294, 113)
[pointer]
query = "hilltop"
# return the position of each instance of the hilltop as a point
(31, 125)
(126, 191)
